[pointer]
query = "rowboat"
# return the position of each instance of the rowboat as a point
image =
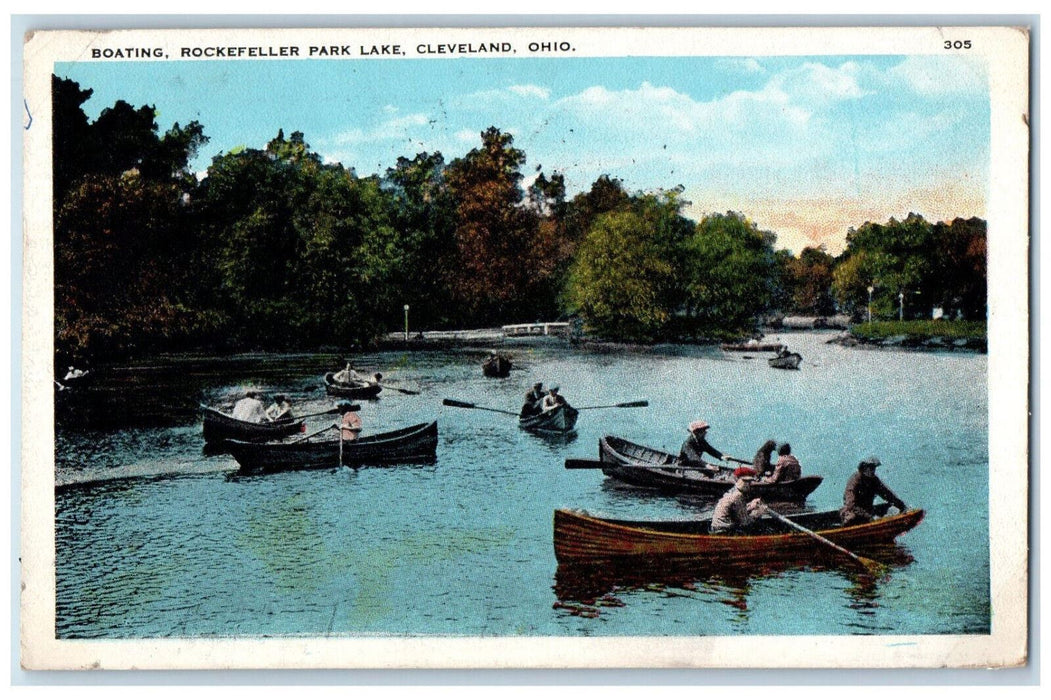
(415, 444)
(558, 419)
(646, 466)
(354, 390)
(751, 346)
(496, 366)
(789, 361)
(582, 537)
(219, 426)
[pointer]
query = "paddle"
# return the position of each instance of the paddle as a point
(463, 404)
(313, 434)
(329, 412)
(872, 567)
(572, 463)
(404, 391)
(627, 404)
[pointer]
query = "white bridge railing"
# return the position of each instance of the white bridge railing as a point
(553, 328)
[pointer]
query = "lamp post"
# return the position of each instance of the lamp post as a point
(901, 306)
(406, 323)
(870, 302)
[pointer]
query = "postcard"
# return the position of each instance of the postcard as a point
(525, 347)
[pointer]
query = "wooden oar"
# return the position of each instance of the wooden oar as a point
(872, 567)
(329, 412)
(404, 391)
(313, 434)
(464, 404)
(572, 463)
(627, 404)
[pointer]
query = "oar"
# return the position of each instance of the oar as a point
(872, 567)
(627, 404)
(572, 463)
(735, 459)
(329, 412)
(464, 404)
(394, 388)
(313, 434)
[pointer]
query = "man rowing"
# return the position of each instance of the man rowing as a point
(862, 489)
(250, 408)
(696, 446)
(532, 401)
(734, 512)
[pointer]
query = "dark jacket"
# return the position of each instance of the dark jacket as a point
(786, 469)
(694, 449)
(859, 496)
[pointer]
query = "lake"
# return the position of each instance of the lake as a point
(154, 538)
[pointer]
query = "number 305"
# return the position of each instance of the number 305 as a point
(966, 44)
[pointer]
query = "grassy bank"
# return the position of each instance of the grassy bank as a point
(920, 330)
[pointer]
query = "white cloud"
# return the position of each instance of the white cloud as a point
(531, 91)
(941, 75)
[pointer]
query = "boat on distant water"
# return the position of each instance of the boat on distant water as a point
(751, 346)
(639, 465)
(582, 537)
(788, 360)
(558, 419)
(414, 444)
(496, 366)
(353, 390)
(219, 426)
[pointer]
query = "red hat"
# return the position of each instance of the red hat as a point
(745, 471)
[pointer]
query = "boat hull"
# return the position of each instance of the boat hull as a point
(219, 426)
(751, 347)
(560, 419)
(790, 361)
(360, 390)
(580, 537)
(415, 444)
(639, 465)
(497, 367)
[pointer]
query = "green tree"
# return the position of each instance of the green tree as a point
(810, 281)
(729, 270)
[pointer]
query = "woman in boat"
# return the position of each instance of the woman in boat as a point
(696, 446)
(761, 462)
(787, 467)
(531, 404)
(350, 423)
(734, 512)
(281, 409)
(862, 489)
(250, 408)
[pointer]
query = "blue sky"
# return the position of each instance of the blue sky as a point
(805, 146)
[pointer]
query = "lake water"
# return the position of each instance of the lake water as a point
(156, 539)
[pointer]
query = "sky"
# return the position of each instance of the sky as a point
(806, 147)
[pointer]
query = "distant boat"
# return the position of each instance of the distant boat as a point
(355, 390)
(496, 366)
(751, 346)
(559, 419)
(787, 361)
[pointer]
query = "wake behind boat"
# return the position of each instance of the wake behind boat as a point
(639, 465)
(581, 537)
(414, 444)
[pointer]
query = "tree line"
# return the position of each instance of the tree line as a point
(275, 249)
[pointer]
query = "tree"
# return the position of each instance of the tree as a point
(810, 281)
(729, 269)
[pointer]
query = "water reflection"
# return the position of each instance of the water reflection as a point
(584, 589)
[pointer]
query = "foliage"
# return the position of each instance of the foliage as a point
(809, 282)
(952, 330)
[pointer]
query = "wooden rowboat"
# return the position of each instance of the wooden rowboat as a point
(581, 537)
(789, 361)
(559, 419)
(645, 466)
(355, 390)
(497, 367)
(219, 426)
(415, 444)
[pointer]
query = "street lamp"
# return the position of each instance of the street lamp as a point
(406, 323)
(901, 306)
(870, 302)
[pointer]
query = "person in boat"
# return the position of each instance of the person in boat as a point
(349, 422)
(348, 375)
(787, 467)
(782, 351)
(281, 409)
(250, 408)
(696, 446)
(734, 512)
(762, 462)
(553, 399)
(533, 398)
(862, 489)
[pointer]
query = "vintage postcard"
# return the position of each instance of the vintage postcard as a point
(525, 348)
